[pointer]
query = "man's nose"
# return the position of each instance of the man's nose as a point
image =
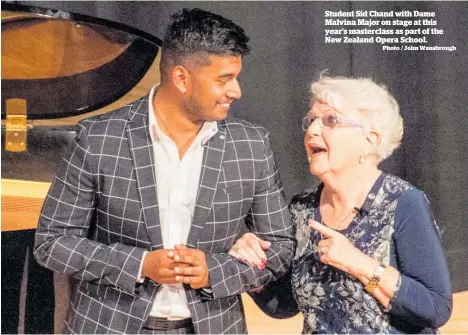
(234, 90)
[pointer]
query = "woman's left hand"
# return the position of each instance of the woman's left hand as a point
(336, 250)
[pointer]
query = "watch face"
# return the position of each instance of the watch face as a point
(380, 270)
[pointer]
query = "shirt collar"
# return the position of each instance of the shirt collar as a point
(208, 130)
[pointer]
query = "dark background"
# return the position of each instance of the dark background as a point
(288, 53)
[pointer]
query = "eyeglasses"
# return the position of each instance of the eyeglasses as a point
(328, 121)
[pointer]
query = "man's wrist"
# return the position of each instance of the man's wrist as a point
(207, 282)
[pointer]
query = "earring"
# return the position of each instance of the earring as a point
(362, 159)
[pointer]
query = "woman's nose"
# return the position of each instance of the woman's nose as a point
(314, 128)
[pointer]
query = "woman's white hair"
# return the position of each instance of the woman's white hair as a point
(374, 102)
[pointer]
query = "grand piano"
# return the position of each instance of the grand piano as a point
(57, 68)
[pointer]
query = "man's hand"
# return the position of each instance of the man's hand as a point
(190, 267)
(159, 266)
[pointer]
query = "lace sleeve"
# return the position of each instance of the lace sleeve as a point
(392, 299)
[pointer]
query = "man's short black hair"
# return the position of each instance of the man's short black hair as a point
(197, 33)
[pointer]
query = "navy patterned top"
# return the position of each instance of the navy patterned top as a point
(396, 227)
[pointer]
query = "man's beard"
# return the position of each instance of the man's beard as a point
(193, 109)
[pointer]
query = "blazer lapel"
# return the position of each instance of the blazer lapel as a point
(212, 164)
(142, 153)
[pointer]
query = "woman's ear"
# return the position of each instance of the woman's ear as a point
(181, 78)
(373, 139)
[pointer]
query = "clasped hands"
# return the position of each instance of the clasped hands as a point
(179, 265)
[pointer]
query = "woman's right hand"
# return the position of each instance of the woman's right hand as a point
(249, 248)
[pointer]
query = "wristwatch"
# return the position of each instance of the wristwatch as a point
(374, 281)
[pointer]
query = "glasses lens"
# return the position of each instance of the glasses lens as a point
(329, 120)
(306, 122)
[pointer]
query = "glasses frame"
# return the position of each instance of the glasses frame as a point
(306, 122)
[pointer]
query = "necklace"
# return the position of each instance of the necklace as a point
(353, 211)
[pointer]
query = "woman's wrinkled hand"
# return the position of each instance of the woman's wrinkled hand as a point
(251, 249)
(336, 250)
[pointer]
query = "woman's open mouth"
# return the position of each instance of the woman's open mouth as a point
(316, 149)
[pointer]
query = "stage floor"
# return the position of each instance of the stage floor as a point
(259, 323)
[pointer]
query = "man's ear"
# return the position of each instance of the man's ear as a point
(181, 78)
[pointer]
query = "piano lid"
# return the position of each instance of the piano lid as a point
(61, 67)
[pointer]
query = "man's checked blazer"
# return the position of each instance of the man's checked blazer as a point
(101, 214)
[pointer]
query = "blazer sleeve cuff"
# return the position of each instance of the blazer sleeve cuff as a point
(230, 277)
(129, 269)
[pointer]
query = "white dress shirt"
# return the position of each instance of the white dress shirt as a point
(177, 184)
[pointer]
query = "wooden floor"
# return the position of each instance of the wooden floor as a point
(259, 323)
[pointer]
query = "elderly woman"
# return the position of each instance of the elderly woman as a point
(369, 257)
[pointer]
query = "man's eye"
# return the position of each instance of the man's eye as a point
(224, 80)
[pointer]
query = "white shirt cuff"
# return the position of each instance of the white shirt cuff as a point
(140, 279)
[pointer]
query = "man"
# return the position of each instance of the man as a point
(151, 197)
